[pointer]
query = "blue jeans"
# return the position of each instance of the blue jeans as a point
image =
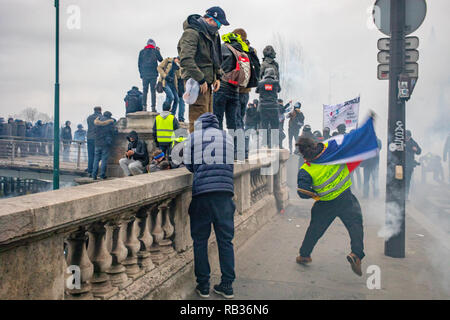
(216, 208)
(180, 109)
(226, 101)
(91, 154)
(101, 153)
(171, 96)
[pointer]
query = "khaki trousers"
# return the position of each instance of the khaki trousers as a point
(203, 104)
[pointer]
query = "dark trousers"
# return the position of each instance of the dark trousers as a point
(226, 102)
(145, 84)
(91, 154)
(269, 122)
(371, 174)
(240, 114)
(165, 147)
(216, 208)
(323, 213)
(293, 135)
(101, 154)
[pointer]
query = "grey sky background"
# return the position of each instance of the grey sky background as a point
(99, 61)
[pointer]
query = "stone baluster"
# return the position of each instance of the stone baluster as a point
(158, 235)
(166, 244)
(145, 238)
(117, 271)
(77, 256)
(101, 259)
(132, 244)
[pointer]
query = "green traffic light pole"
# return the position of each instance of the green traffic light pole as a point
(56, 111)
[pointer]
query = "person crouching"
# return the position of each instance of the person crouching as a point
(136, 157)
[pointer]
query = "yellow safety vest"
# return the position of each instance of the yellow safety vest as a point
(164, 128)
(329, 181)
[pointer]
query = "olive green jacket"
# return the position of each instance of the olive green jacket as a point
(200, 53)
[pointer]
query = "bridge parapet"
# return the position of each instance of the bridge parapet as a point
(122, 238)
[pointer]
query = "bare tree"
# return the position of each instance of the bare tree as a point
(32, 114)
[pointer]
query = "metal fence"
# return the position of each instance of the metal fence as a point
(39, 152)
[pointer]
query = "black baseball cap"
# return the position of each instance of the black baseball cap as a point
(218, 14)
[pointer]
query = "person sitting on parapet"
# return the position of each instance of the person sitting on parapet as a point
(159, 161)
(133, 101)
(136, 157)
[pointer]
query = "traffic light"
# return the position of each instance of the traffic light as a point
(410, 69)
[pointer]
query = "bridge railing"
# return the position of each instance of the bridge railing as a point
(115, 239)
(39, 152)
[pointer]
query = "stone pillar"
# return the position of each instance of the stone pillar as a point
(158, 235)
(117, 271)
(182, 239)
(101, 259)
(280, 181)
(166, 243)
(77, 256)
(145, 238)
(141, 122)
(242, 190)
(132, 244)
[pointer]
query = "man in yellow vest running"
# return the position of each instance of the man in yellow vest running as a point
(164, 129)
(325, 177)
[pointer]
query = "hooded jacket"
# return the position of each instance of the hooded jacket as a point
(164, 70)
(269, 61)
(200, 53)
(209, 140)
(139, 147)
(228, 58)
(133, 101)
(148, 62)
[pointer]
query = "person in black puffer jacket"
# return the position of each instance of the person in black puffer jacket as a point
(133, 101)
(212, 199)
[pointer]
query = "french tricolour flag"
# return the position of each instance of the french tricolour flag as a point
(352, 148)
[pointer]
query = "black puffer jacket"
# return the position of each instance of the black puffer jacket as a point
(139, 147)
(148, 62)
(214, 177)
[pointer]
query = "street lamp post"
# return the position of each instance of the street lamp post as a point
(56, 111)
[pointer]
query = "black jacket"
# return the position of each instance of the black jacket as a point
(252, 116)
(139, 147)
(256, 68)
(66, 134)
(133, 101)
(268, 93)
(104, 131)
(296, 121)
(148, 62)
(91, 125)
(410, 162)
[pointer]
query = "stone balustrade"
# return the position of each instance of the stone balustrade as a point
(118, 239)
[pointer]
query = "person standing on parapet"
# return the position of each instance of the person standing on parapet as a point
(269, 61)
(200, 55)
(148, 62)
(325, 177)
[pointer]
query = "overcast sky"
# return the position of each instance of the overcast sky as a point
(99, 61)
